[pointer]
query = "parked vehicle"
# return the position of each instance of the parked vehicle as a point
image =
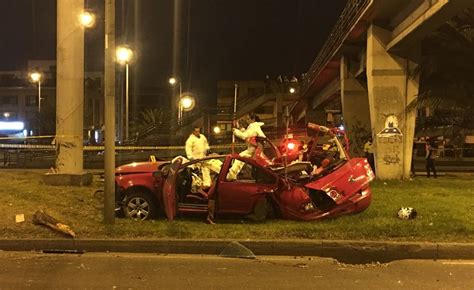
(328, 184)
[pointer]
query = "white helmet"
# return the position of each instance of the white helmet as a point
(406, 213)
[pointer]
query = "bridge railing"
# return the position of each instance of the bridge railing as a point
(350, 15)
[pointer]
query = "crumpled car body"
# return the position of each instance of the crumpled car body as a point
(302, 190)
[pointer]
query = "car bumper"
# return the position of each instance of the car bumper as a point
(356, 204)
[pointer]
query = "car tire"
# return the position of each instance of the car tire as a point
(139, 206)
(262, 210)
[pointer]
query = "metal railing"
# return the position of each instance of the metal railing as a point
(350, 15)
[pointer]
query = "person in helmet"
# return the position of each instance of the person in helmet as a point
(254, 129)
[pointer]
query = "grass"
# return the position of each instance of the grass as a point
(445, 213)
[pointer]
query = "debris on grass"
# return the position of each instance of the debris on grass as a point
(42, 218)
(19, 218)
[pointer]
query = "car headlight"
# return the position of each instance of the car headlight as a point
(309, 206)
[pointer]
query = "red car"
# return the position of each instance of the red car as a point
(327, 183)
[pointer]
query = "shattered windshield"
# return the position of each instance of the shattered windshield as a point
(325, 150)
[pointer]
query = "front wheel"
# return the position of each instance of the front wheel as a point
(139, 206)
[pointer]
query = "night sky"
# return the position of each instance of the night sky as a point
(226, 40)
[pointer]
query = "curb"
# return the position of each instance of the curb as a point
(347, 251)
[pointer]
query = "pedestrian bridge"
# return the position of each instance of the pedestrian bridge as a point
(366, 67)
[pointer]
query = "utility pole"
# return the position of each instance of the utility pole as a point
(70, 97)
(109, 91)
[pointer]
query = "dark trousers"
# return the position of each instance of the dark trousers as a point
(430, 166)
(371, 160)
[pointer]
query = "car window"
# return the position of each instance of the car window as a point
(325, 147)
(269, 150)
(201, 174)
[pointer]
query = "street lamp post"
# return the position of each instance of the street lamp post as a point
(173, 81)
(186, 103)
(87, 19)
(124, 55)
(36, 78)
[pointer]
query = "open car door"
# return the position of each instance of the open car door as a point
(169, 190)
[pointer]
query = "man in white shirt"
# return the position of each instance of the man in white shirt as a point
(196, 145)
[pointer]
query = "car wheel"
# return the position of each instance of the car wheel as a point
(262, 210)
(139, 206)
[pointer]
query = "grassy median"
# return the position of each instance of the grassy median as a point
(445, 213)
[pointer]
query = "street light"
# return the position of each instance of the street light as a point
(173, 81)
(87, 19)
(36, 78)
(216, 129)
(124, 56)
(187, 103)
(292, 90)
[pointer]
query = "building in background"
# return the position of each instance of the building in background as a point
(19, 102)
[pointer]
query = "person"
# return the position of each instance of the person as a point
(249, 135)
(254, 129)
(430, 158)
(369, 153)
(196, 148)
(413, 158)
(196, 145)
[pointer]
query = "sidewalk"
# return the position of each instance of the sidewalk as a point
(347, 251)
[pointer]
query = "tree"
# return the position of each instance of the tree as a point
(149, 121)
(447, 72)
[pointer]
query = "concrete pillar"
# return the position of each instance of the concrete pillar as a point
(317, 115)
(70, 96)
(355, 109)
(391, 88)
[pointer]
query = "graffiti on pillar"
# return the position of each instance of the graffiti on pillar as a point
(391, 137)
(390, 133)
(390, 159)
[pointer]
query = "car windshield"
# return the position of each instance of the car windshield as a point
(324, 150)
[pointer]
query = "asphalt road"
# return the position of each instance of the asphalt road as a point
(19, 270)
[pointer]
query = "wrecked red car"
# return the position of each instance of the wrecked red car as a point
(323, 182)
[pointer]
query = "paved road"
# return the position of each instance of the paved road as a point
(139, 271)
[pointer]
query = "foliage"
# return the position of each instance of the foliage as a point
(447, 72)
(148, 121)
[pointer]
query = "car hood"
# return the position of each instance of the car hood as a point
(344, 181)
(138, 167)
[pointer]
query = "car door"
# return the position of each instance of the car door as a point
(253, 183)
(169, 190)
